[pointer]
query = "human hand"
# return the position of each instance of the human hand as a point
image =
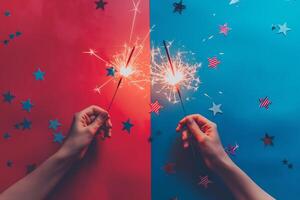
(85, 125)
(206, 134)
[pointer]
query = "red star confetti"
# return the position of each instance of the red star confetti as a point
(169, 168)
(264, 103)
(268, 140)
(213, 62)
(155, 107)
(204, 181)
(224, 29)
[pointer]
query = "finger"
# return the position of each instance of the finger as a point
(108, 127)
(93, 110)
(195, 129)
(184, 135)
(97, 123)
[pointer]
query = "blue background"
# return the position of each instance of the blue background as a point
(257, 62)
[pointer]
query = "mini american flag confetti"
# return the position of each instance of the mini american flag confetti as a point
(264, 103)
(213, 62)
(155, 107)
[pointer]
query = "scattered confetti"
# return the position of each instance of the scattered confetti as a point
(58, 137)
(169, 168)
(110, 71)
(5, 42)
(18, 33)
(155, 107)
(179, 7)
(39, 75)
(8, 97)
(288, 164)
(26, 124)
(233, 2)
(204, 181)
(100, 4)
(9, 163)
(54, 124)
(213, 62)
(224, 29)
(27, 105)
(283, 28)
(216, 108)
(268, 140)
(264, 103)
(231, 149)
(30, 168)
(6, 136)
(127, 126)
(11, 36)
(7, 13)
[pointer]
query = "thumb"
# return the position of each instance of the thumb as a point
(99, 121)
(195, 130)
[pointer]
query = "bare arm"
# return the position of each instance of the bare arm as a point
(212, 151)
(38, 184)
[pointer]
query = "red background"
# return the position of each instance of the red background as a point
(54, 35)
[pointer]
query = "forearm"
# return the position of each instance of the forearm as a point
(240, 184)
(41, 181)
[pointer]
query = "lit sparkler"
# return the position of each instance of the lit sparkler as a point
(127, 69)
(173, 74)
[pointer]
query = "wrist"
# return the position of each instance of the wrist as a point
(223, 165)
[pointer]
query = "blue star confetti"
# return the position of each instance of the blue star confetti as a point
(127, 126)
(39, 75)
(179, 7)
(18, 33)
(58, 137)
(5, 42)
(54, 124)
(12, 36)
(30, 168)
(27, 105)
(7, 13)
(8, 97)
(110, 71)
(6, 136)
(100, 4)
(9, 163)
(26, 124)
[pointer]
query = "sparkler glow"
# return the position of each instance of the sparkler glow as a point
(173, 74)
(125, 63)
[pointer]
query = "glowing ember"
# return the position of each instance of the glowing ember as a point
(183, 75)
(126, 71)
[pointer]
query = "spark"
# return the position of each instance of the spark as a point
(181, 75)
(135, 11)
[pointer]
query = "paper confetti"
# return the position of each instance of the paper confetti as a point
(127, 126)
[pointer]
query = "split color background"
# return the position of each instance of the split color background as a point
(255, 62)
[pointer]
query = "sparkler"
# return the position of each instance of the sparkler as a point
(175, 78)
(125, 71)
(173, 74)
(124, 63)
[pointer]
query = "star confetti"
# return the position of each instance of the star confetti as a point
(268, 140)
(58, 137)
(110, 71)
(39, 75)
(100, 4)
(54, 124)
(5, 42)
(287, 163)
(283, 28)
(30, 168)
(12, 36)
(27, 105)
(8, 97)
(9, 163)
(264, 103)
(155, 107)
(204, 181)
(224, 29)
(233, 2)
(179, 7)
(216, 108)
(18, 33)
(7, 13)
(26, 124)
(213, 62)
(127, 126)
(6, 136)
(169, 168)
(231, 149)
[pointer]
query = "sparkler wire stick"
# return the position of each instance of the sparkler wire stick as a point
(172, 68)
(120, 81)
